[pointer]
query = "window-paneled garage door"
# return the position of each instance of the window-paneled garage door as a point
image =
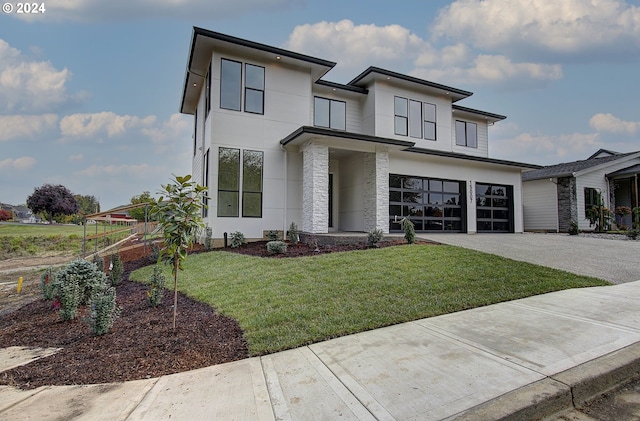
(494, 208)
(432, 204)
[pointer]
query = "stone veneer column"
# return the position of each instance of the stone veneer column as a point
(315, 188)
(376, 191)
(567, 203)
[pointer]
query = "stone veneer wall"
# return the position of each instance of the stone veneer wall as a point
(315, 188)
(567, 203)
(376, 194)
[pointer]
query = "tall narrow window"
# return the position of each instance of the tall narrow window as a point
(205, 183)
(429, 113)
(254, 89)
(415, 119)
(207, 93)
(590, 199)
(195, 132)
(401, 119)
(466, 134)
(252, 164)
(330, 113)
(230, 85)
(228, 181)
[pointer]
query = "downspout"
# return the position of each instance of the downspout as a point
(284, 212)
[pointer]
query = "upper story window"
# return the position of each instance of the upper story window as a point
(207, 93)
(466, 134)
(231, 85)
(254, 89)
(414, 118)
(329, 113)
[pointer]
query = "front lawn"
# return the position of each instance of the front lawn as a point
(286, 303)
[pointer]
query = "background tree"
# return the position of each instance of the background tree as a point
(87, 204)
(52, 200)
(5, 215)
(138, 214)
(179, 219)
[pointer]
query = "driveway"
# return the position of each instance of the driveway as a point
(616, 261)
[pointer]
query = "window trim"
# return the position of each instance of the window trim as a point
(466, 134)
(207, 93)
(222, 60)
(237, 213)
(410, 118)
(195, 132)
(247, 88)
(434, 122)
(329, 101)
(399, 117)
(245, 190)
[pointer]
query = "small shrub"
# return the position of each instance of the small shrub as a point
(154, 254)
(237, 239)
(67, 293)
(273, 235)
(116, 268)
(277, 247)
(573, 228)
(374, 237)
(633, 233)
(293, 233)
(409, 230)
(98, 261)
(103, 311)
(46, 284)
(157, 283)
(208, 238)
(90, 279)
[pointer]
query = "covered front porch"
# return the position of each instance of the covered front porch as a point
(624, 187)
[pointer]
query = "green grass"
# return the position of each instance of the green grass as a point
(34, 230)
(285, 303)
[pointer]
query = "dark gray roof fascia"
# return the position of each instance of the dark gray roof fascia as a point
(472, 158)
(346, 135)
(479, 112)
(350, 88)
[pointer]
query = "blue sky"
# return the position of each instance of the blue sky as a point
(90, 90)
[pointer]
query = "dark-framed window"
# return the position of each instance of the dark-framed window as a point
(205, 183)
(466, 134)
(228, 181)
(329, 113)
(429, 123)
(253, 89)
(252, 170)
(415, 119)
(195, 132)
(401, 116)
(230, 84)
(590, 199)
(207, 93)
(494, 208)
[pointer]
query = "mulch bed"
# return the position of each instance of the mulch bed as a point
(142, 343)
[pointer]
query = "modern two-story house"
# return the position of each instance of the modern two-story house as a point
(277, 143)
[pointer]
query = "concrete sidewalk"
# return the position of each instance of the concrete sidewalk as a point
(522, 359)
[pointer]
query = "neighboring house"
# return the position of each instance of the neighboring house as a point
(275, 143)
(558, 194)
(19, 212)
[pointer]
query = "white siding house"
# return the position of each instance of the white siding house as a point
(276, 143)
(558, 194)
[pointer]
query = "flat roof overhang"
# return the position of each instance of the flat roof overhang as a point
(204, 42)
(306, 133)
(470, 113)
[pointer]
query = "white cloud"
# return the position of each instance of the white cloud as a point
(609, 123)
(19, 164)
(29, 86)
(352, 45)
(98, 124)
(560, 27)
(96, 10)
(25, 126)
(178, 128)
(76, 158)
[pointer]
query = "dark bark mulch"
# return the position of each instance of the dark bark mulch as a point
(142, 343)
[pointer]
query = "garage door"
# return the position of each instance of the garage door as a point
(432, 204)
(494, 208)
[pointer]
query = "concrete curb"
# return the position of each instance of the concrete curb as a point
(566, 390)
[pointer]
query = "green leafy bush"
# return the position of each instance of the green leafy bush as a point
(237, 239)
(374, 237)
(277, 247)
(293, 233)
(46, 284)
(103, 311)
(116, 268)
(273, 235)
(157, 283)
(409, 230)
(573, 228)
(633, 233)
(98, 261)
